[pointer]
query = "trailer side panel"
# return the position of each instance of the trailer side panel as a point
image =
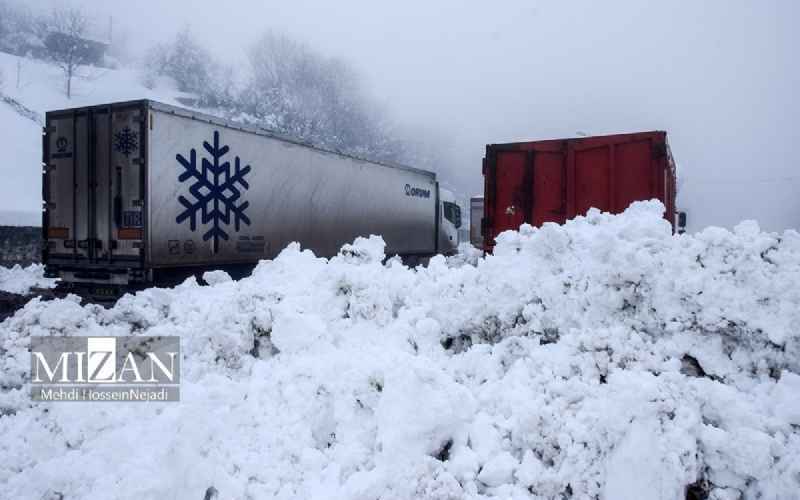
(555, 180)
(225, 195)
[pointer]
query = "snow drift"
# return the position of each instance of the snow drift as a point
(605, 358)
(20, 280)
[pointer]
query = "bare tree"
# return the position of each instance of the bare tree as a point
(119, 47)
(66, 42)
(192, 68)
(310, 96)
(18, 29)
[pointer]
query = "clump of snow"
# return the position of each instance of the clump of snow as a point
(465, 255)
(364, 250)
(216, 277)
(555, 368)
(20, 280)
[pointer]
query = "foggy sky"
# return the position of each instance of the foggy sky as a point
(720, 76)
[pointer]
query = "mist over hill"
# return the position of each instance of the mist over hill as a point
(434, 98)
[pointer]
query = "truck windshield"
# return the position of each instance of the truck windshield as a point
(452, 212)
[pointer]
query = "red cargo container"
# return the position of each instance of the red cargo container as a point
(556, 180)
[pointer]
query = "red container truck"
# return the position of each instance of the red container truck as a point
(556, 180)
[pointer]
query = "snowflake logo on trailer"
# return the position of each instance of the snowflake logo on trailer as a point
(215, 191)
(126, 141)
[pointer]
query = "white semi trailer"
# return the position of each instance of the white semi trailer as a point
(140, 193)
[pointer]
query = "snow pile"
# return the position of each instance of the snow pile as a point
(20, 280)
(465, 255)
(601, 359)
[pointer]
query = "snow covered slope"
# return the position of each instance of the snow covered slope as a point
(41, 89)
(601, 359)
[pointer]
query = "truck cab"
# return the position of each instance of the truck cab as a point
(449, 222)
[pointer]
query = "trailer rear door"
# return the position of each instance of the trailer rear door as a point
(524, 186)
(93, 178)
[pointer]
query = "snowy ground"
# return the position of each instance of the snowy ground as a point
(602, 359)
(20, 279)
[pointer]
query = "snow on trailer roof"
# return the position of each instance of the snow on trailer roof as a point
(223, 122)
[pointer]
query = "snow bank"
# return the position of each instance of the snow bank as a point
(601, 359)
(20, 279)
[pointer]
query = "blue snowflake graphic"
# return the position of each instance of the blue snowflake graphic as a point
(126, 141)
(215, 191)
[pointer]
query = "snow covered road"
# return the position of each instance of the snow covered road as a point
(605, 358)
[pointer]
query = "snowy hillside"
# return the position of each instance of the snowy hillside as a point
(601, 359)
(41, 88)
